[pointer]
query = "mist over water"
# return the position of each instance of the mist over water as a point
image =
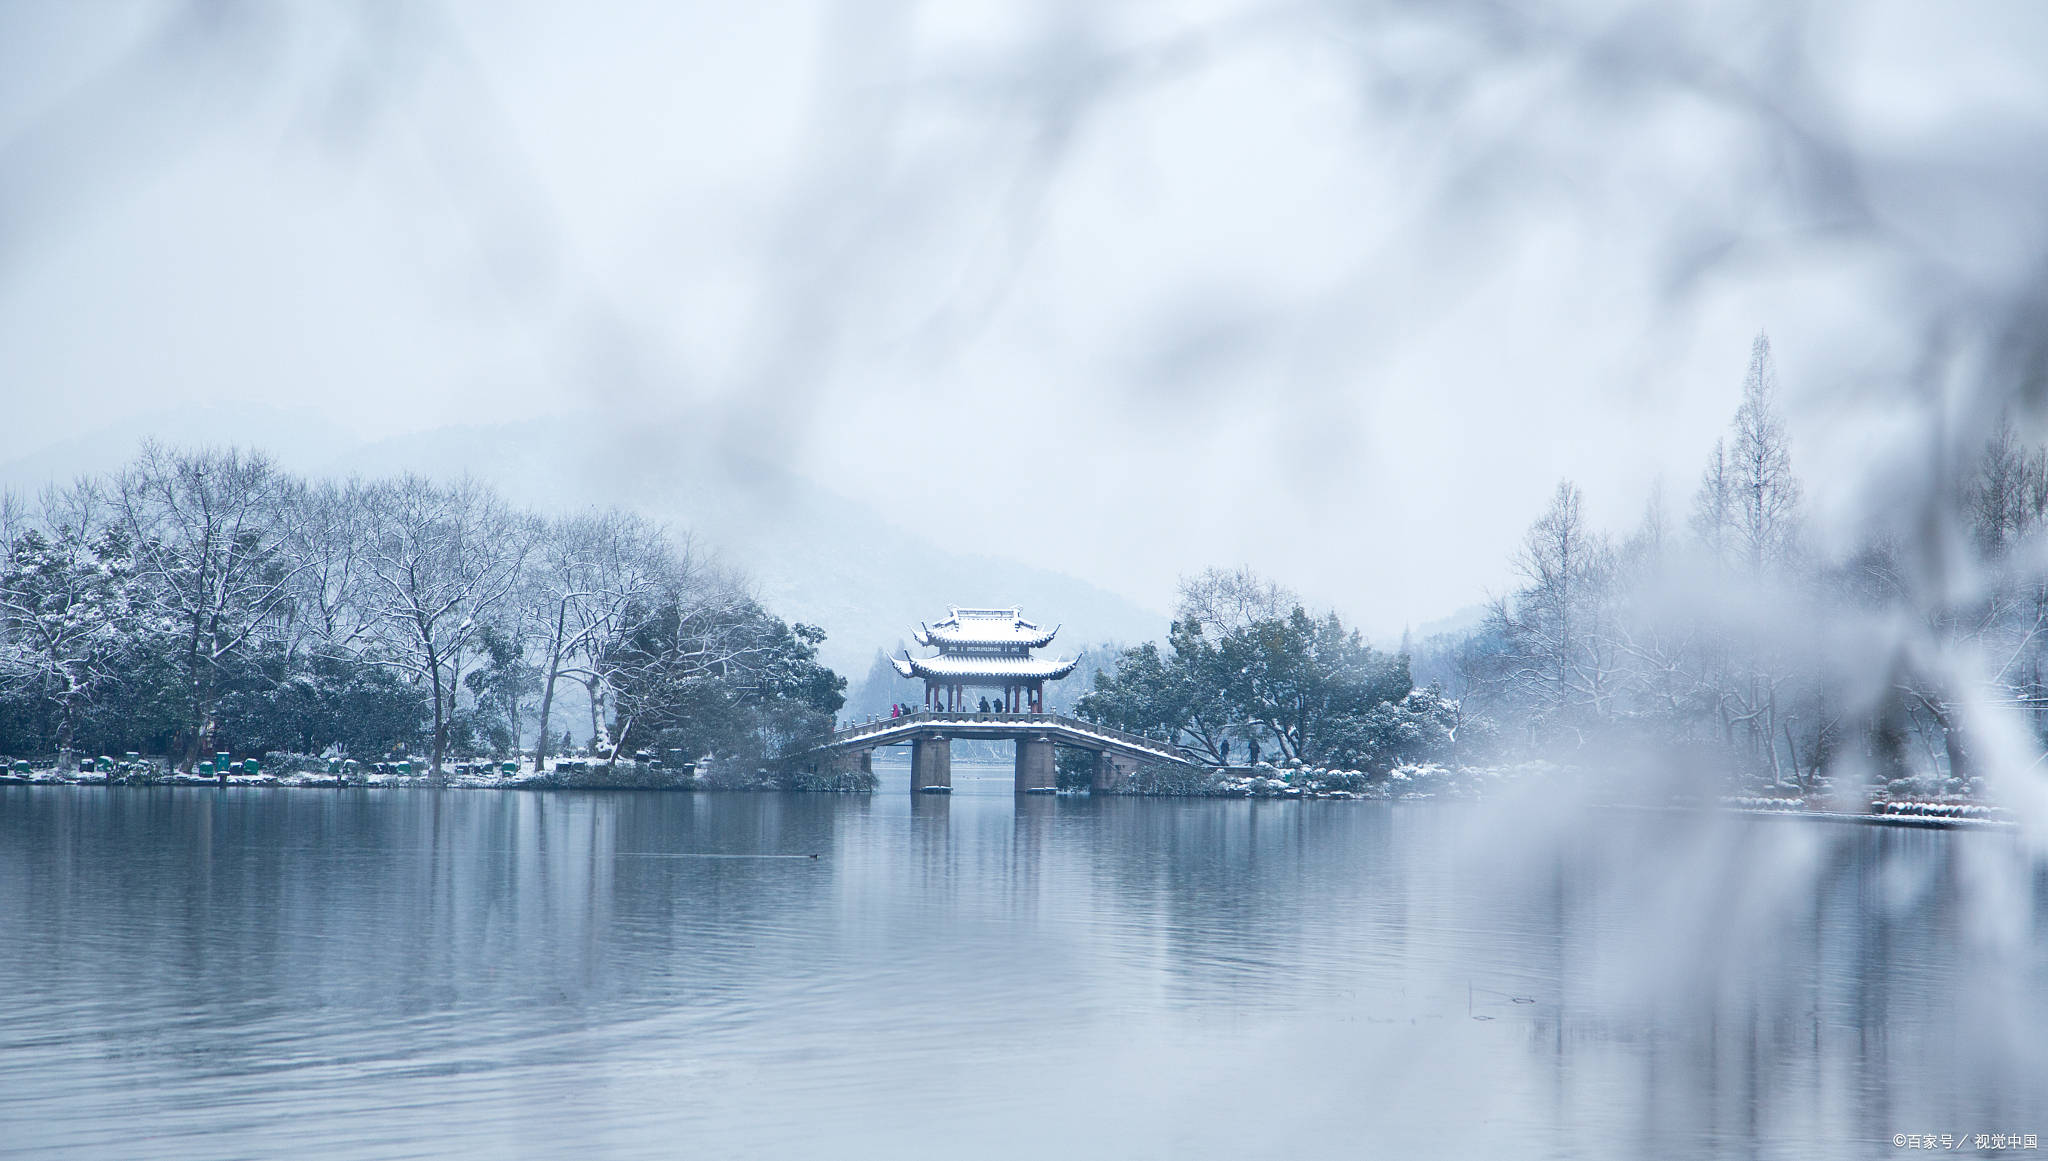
(362, 974)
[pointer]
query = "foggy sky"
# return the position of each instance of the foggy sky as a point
(1337, 290)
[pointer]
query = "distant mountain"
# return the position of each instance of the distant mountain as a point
(296, 438)
(818, 557)
(1462, 623)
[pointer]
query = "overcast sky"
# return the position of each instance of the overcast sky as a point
(1337, 290)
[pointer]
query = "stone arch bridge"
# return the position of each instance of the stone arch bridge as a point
(930, 734)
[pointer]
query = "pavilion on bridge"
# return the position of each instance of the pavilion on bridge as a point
(984, 649)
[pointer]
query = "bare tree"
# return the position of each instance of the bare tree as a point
(329, 550)
(595, 579)
(1561, 657)
(1746, 518)
(209, 531)
(441, 561)
(2005, 617)
(1713, 509)
(1765, 492)
(1658, 652)
(707, 626)
(1223, 600)
(14, 517)
(2004, 496)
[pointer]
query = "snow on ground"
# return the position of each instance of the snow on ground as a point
(1412, 782)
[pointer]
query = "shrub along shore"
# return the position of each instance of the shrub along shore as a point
(1417, 782)
(330, 774)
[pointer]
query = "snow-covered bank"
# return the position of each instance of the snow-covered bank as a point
(568, 775)
(1425, 781)
(1410, 783)
(1407, 782)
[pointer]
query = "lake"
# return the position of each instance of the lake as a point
(397, 973)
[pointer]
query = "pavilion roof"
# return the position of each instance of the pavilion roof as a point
(984, 628)
(993, 668)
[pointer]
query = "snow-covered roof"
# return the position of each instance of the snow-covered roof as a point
(1001, 668)
(984, 628)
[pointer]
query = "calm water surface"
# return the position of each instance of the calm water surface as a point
(203, 973)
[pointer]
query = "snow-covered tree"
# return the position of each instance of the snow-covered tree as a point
(208, 531)
(204, 601)
(442, 561)
(329, 550)
(712, 671)
(1764, 490)
(1221, 601)
(1560, 662)
(1237, 680)
(593, 580)
(1747, 519)
(66, 626)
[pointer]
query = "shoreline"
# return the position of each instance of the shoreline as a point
(1874, 818)
(1919, 816)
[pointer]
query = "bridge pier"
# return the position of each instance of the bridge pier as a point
(1110, 772)
(1035, 767)
(931, 762)
(1118, 754)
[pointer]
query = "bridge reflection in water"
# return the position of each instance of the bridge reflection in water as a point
(930, 735)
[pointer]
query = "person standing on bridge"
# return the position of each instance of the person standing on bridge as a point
(984, 704)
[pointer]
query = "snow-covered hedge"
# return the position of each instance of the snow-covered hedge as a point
(566, 775)
(1408, 781)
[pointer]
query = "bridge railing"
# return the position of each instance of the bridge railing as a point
(926, 716)
(1137, 741)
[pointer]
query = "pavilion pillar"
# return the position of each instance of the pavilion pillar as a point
(931, 762)
(1035, 767)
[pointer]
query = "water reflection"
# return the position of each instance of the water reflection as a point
(226, 972)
